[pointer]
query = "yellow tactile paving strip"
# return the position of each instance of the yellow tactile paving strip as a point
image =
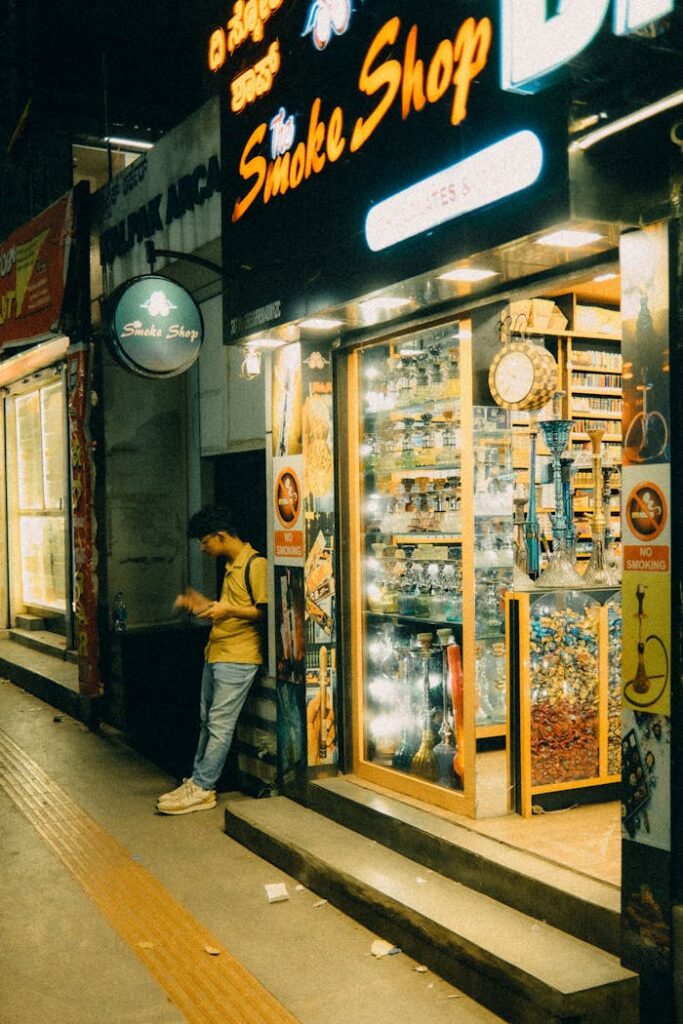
(206, 988)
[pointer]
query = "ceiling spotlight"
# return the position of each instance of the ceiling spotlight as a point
(569, 238)
(611, 276)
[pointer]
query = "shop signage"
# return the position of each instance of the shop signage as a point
(536, 45)
(171, 194)
(33, 267)
(378, 146)
(155, 327)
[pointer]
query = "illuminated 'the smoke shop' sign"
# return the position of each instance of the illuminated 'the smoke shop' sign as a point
(361, 140)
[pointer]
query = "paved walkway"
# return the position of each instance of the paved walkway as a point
(111, 912)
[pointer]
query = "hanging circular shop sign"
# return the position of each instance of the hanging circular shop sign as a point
(155, 326)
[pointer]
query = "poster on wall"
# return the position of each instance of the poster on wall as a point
(286, 401)
(646, 588)
(288, 511)
(34, 262)
(645, 349)
(290, 668)
(319, 569)
(646, 598)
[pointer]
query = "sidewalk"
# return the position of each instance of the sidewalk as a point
(61, 961)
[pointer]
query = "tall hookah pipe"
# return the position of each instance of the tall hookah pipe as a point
(566, 463)
(532, 532)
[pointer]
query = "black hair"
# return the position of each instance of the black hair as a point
(213, 519)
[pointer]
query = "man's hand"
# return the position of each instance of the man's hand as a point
(214, 610)
(192, 601)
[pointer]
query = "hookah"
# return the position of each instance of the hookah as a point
(560, 571)
(423, 762)
(598, 572)
(521, 578)
(636, 690)
(457, 696)
(403, 755)
(532, 533)
(444, 751)
(566, 470)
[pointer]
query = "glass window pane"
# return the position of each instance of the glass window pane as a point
(43, 563)
(29, 451)
(52, 406)
(411, 573)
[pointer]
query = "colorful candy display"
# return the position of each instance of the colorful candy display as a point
(564, 697)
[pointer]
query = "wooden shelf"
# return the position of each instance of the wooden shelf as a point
(582, 390)
(595, 414)
(579, 335)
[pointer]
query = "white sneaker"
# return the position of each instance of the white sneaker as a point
(186, 798)
(174, 793)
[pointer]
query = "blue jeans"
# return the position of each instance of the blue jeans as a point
(225, 686)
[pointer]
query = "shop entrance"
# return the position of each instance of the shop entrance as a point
(477, 688)
(38, 503)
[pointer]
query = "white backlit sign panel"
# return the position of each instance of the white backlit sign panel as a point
(535, 45)
(500, 170)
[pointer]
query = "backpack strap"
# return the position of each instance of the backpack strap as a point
(247, 574)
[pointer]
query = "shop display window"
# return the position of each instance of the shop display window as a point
(38, 520)
(412, 575)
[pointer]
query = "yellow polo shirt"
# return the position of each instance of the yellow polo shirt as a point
(239, 640)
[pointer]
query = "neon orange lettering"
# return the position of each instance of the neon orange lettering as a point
(470, 52)
(412, 91)
(217, 50)
(296, 174)
(277, 177)
(336, 143)
(440, 71)
(250, 166)
(386, 76)
(315, 160)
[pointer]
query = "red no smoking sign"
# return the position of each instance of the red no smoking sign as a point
(646, 510)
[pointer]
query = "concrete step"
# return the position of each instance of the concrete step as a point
(584, 907)
(524, 971)
(44, 641)
(52, 679)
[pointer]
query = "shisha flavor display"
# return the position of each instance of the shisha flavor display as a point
(564, 689)
(614, 628)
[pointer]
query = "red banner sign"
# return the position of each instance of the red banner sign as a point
(33, 266)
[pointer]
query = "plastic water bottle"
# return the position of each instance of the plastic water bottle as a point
(120, 613)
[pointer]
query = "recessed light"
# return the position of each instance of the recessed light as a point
(384, 304)
(468, 274)
(318, 323)
(569, 238)
(605, 277)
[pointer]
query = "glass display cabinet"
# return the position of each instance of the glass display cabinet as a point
(429, 560)
(566, 686)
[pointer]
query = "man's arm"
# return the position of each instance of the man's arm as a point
(218, 610)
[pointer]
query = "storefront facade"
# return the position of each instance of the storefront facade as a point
(169, 442)
(50, 581)
(409, 210)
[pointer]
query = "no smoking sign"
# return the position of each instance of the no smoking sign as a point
(646, 511)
